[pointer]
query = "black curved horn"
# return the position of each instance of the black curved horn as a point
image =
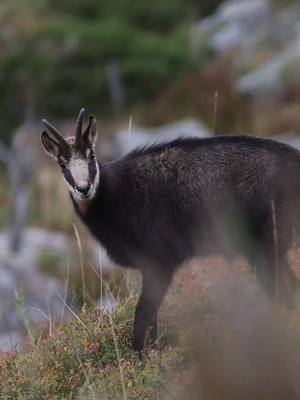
(86, 132)
(79, 123)
(55, 132)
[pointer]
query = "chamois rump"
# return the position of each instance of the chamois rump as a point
(160, 205)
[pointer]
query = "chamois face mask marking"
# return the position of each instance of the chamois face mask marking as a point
(81, 176)
(76, 157)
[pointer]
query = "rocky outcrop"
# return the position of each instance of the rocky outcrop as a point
(128, 139)
(23, 285)
(263, 41)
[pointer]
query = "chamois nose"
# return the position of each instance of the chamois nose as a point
(84, 188)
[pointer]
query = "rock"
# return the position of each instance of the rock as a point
(33, 240)
(236, 23)
(246, 12)
(268, 78)
(266, 40)
(281, 37)
(20, 278)
(27, 276)
(290, 139)
(140, 136)
(10, 339)
(242, 21)
(226, 39)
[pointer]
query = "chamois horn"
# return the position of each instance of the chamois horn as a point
(86, 132)
(58, 135)
(79, 123)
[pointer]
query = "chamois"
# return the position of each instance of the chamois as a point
(160, 205)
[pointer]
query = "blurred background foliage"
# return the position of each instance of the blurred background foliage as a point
(54, 53)
(55, 56)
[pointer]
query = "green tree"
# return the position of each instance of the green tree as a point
(54, 53)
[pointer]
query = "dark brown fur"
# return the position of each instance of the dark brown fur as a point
(161, 205)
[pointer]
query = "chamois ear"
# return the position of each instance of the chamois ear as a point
(50, 145)
(90, 133)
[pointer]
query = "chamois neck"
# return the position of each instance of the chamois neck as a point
(82, 206)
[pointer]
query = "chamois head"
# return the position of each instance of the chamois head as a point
(75, 156)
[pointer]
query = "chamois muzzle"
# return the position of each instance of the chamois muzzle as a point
(84, 189)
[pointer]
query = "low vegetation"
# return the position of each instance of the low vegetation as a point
(220, 339)
(88, 358)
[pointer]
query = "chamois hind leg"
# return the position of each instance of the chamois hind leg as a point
(283, 238)
(274, 274)
(264, 268)
(289, 283)
(154, 287)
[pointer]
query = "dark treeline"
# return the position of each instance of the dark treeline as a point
(55, 55)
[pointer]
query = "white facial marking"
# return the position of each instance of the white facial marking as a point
(79, 170)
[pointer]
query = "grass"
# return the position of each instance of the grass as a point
(223, 340)
(89, 358)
